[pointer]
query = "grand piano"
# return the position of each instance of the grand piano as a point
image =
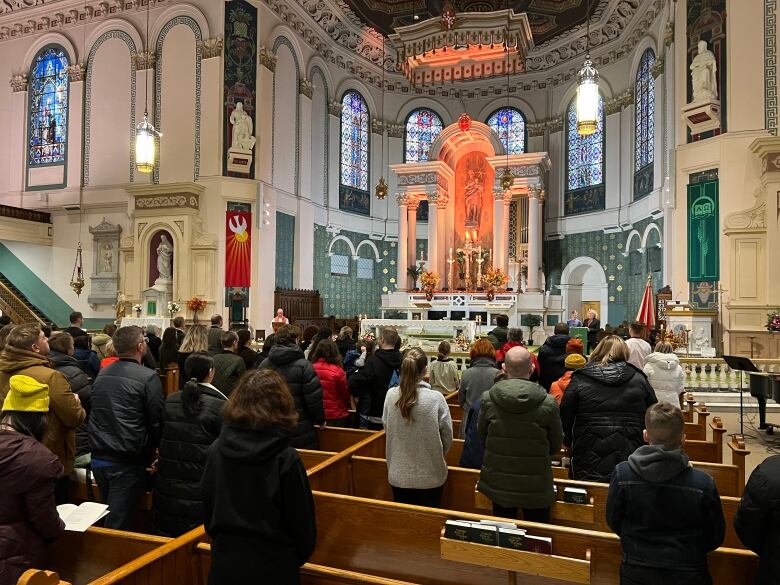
(764, 386)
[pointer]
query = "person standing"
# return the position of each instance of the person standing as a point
(574, 320)
(169, 348)
(76, 328)
(247, 353)
(29, 521)
(228, 365)
(665, 374)
(287, 358)
(99, 340)
(280, 318)
(345, 342)
(26, 353)
(443, 372)
(153, 341)
(178, 324)
(196, 340)
(594, 326)
(335, 392)
(638, 348)
(498, 335)
(520, 426)
(479, 377)
(667, 514)
(552, 355)
(419, 433)
(258, 507)
(83, 353)
(573, 362)
(757, 521)
(192, 423)
(215, 335)
(125, 425)
(603, 411)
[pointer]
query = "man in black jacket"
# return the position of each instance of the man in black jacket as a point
(667, 514)
(552, 356)
(370, 383)
(125, 424)
(498, 335)
(758, 519)
(76, 322)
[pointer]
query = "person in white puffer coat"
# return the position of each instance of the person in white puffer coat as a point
(665, 374)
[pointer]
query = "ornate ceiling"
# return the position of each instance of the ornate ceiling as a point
(548, 18)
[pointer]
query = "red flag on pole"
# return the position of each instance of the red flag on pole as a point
(238, 257)
(646, 312)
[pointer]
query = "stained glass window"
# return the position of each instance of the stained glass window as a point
(422, 128)
(585, 154)
(644, 125)
(354, 141)
(509, 124)
(48, 128)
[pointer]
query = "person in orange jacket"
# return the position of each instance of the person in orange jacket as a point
(574, 361)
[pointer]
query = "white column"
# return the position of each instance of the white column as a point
(303, 271)
(265, 122)
(411, 250)
(334, 119)
(441, 236)
(403, 234)
(534, 239)
(499, 236)
(434, 251)
(75, 125)
(504, 265)
(17, 164)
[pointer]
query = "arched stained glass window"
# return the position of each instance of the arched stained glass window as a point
(509, 124)
(422, 129)
(644, 125)
(584, 164)
(354, 141)
(48, 114)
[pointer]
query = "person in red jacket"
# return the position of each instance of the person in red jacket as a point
(514, 338)
(335, 393)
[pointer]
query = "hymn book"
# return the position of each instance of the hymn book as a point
(79, 518)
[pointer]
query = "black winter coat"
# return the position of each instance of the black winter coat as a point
(184, 448)
(373, 378)
(125, 420)
(603, 415)
(79, 384)
(258, 508)
(552, 356)
(758, 519)
(306, 390)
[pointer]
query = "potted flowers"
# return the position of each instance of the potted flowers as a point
(137, 308)
(429, 281)
(494, 279)
(173, 308)
(773, 320)
(195, 304)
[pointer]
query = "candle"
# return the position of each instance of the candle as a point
(450, 252)
(421, 255)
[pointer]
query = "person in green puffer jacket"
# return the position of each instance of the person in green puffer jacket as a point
(521, 427)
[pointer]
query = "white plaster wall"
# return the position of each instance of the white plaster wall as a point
(284, 138)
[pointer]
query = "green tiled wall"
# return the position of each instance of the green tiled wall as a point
(626, 275)
(347, 296)
(285, 249)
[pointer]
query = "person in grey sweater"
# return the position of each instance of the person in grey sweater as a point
(419, 433)
(479, 378)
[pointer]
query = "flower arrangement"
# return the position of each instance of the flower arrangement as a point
(495, 277)
(138, 308)
(773, 320)
(173, 308)
(429, 279)
(196, 304)
(677, 340)
(461, 343)
(369, 337)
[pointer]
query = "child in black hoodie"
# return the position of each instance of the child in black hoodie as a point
(668, 514)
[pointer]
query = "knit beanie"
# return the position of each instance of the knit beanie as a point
(574, 345)
(26, 394)
(574, 361)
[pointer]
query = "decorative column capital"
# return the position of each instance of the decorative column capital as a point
(403, 199)
(534, 192)
(440, 200)
(413, 204)
(267, 59)
(144, 60)
(76, 72)
(395, 130)
(657, 68)
(306, 87)
(619, 102)
(335, 107)
(210, 48)
(18, 82)
(378, 126)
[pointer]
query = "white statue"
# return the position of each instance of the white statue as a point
(106, 258)
(243, 129)
(164, 258)
(704, 75)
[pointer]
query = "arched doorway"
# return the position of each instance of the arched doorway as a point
(584, 284)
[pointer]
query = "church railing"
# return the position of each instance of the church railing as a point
(16, 308)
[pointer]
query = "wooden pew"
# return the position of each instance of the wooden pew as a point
(335, 439)
(697, 430)
(169, 377)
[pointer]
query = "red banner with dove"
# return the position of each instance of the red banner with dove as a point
(238, 258)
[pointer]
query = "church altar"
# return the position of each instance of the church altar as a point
(421, 328)
(142, 322)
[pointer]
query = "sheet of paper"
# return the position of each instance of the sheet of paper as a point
(79, 518)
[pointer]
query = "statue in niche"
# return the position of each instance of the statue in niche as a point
(106, 258)
(243, 129)
(164, 258)
(473, 192)
(704, 78)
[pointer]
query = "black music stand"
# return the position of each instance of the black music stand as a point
(740, 364)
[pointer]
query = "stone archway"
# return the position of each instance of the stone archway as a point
(583, 280)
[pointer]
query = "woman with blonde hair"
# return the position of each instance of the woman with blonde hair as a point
(196, 340)
(594, 326)
(665, 374)
(444, 371)
(419, 433)
(603, 411)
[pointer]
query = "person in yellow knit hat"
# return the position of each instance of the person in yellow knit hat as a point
(28, 472)
(26, 353)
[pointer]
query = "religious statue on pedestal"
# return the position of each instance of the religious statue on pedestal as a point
(243, 129)
(704, 77)
(473, 192)
(164, 260)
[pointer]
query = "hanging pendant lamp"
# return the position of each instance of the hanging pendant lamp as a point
(587, 100)
(145, 133)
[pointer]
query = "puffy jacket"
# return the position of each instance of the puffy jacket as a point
(99, 341)
(258, 507)
(666, 376)
(373, 379)
(79, 384)
(28, 515)
(65, 413)
(89, 361)
(521, 428)
(758, 518)
(305, 387)
(228, 368)
(335, 393)
(558, 388)
(183, 451)
(603, 414)
(666, 513)
(125, 420)
(552, 356)
(479, 377)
